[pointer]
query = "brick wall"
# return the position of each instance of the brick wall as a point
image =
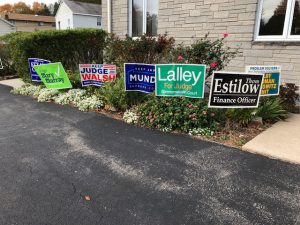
(187, 20)
(119, 16)
(190, 19)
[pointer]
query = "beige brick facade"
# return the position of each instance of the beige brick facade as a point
(187, 20)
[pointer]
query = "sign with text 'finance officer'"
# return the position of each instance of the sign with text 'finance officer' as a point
(235, 90)
(186, 80)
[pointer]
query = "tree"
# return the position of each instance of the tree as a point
(45, 10)
(55, 8)
(36, 7)
(6, 8)
(21, 7)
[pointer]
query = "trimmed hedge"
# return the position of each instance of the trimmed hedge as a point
(70, 47)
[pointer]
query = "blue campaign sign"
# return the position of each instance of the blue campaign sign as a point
(139, 77)
(35, 62)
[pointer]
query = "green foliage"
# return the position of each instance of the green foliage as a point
(141, 50)
(289, 96)
(114, 94)
(241, 117)
(271, 108)
(70, 47)
(214, 54)
(182, 114)
(8, 68)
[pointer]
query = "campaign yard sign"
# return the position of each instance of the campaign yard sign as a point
(53, 75)
(139, 77)
(186, 80)
(235, 90)
(35, 62)
(97, 74)
(271, 83)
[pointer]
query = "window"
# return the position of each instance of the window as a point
(278, 20)
(40, 24)
(98, 21)
(143, 17)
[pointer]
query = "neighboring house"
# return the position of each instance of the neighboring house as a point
(6, 27)
(266, 31)
(29, 22)
(72, 15)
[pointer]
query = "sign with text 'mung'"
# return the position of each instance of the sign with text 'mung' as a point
(139, 77)
(235, 90)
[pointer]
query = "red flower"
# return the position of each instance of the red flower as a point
(180, 58)
(204, 112)
(213, 64)
(225, 34)
(194, 119)
(190, 106)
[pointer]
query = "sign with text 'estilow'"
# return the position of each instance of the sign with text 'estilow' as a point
(186, 80)
(97, 74)
(235, 90)
(271, 83)
(139, 77)
(35, 62)
(53, 76)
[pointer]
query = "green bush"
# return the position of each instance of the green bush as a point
(271, 108)
(241, 117)
(8, 68)
(214, 54)
(180, 114)
(289, 96)
(70, 47)
(145, 49)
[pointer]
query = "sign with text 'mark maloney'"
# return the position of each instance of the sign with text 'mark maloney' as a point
(235, 90)
(53, 76)
(97, 74)
(35, 62)
(186, 80)
(271, 83)
(139, 77)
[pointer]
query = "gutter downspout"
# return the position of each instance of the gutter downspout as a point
(109, 16)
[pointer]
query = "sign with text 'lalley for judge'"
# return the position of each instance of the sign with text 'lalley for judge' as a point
(186, 80)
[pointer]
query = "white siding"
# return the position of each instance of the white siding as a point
(5, 28)
(64, 16)
(81, 21)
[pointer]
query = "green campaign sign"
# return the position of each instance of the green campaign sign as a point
(186, 80)
(53, 75)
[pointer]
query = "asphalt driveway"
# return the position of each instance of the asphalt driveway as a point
(52, 156)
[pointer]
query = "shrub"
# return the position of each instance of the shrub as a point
(180, 114)
(289, 96)
(214, 54)
(7, 64)
(145, 49)
(241, 117)
(131, 116)
(271, 108)
(46, 94)
(70, 47)
(26, 89)
(89, 103)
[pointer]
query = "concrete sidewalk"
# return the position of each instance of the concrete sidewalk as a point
(15, 83)
(281, 141)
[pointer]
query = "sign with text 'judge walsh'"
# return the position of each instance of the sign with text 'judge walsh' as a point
(97, 74)
(235, 90)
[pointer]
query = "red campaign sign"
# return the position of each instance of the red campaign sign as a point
(97, 74)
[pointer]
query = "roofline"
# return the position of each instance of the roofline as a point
(83, 14)
(9, 23)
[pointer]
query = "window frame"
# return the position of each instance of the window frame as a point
(288, 23)
(144, 17)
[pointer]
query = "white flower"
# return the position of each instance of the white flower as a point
(130, 116)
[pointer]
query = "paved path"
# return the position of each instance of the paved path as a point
(281, 141)
(12, 82)
(51, 156)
